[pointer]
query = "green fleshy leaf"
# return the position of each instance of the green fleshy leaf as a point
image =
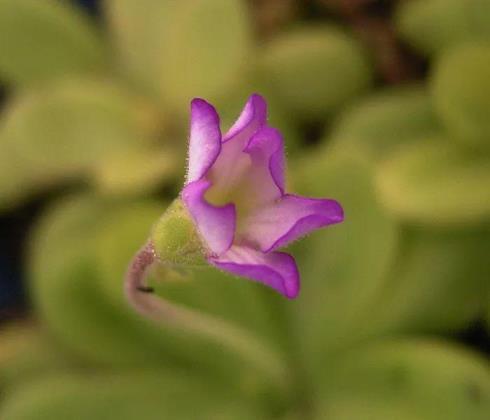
(461, 90)
(65, 288)
(435, 183)
(487, 311)
(431, 26)
(407, 379)
(74, 125)
(255, 310)
(315, 70)
(382, 122)
(354, 407)
(138, 32)
(438, 282)
(27, 352)
(207, 49)
(183, 49)
(136, 173)
(125, 396)
(17, 179)
(249, 305)
(43, 40)
(343, 266)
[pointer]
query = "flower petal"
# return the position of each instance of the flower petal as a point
(233, 164)
(252, 117)
(205, 139)
(277, 270)
(216, 225)
(266, 149)
(288, 219)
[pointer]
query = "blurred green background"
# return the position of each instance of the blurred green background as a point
(384, 105)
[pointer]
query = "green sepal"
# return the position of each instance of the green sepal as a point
(175, 238)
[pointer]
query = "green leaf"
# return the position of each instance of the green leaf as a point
(253, 310)
(343, 266)
(138, 33)
(155, 395)
(17, 179)
(70, 127)
(206, 50)
(407, 379)
(354, 407)
(438, 282)
(66, 291)
(461, 90)
(26, 352)
(436, 183)
(137, 173)
(431, 26)
(44, 40)
(487, 310)
(180, 50)
(315, 70)
(380, 123)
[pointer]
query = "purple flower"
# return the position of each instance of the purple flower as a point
(235, 194)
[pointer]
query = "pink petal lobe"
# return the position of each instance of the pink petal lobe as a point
(266, 150)
(288, 219)
(216, 225)
(277, 269)
(232, 164)
(252, 117)
(205, 139)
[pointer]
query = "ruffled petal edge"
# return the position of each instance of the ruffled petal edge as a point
(277, 270)
(288, 219)
(252, 117)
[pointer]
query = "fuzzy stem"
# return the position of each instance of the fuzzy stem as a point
(173, 315)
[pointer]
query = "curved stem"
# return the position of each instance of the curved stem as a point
(173, 315)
